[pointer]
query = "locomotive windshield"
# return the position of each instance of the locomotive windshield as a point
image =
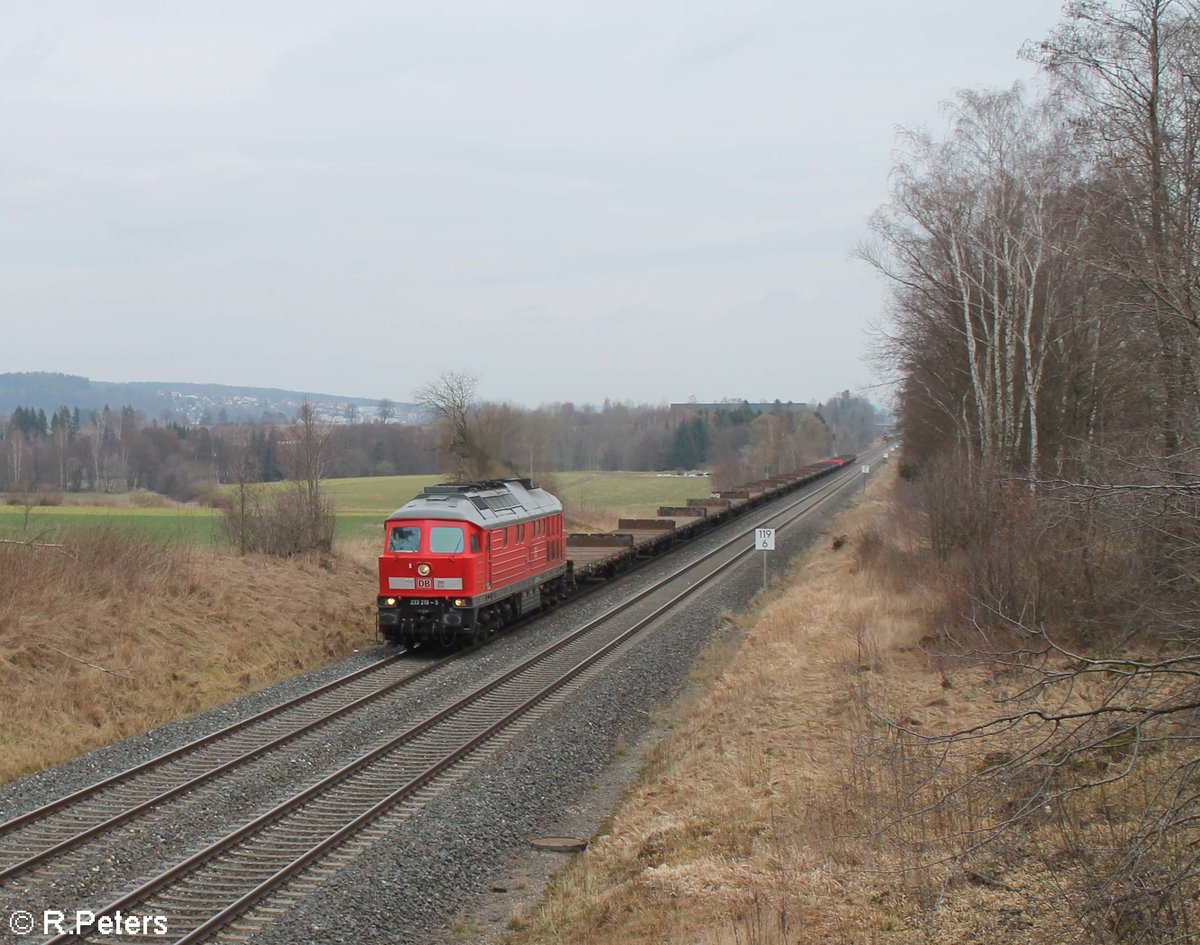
(446, 539)
(405, 539)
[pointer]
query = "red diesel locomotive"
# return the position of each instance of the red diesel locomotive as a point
(462, 560)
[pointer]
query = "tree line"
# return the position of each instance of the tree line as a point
(1044, 254)
(480, 439)
(117, 450)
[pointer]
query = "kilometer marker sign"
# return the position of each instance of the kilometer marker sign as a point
(764, 541)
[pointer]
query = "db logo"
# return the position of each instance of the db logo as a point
(424, 584)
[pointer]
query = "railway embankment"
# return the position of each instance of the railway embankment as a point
(104, 634)
(801, 792)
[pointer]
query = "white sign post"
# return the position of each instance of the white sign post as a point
(764, 541)
(865, 470)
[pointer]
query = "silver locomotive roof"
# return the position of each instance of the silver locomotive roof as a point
(487, 504)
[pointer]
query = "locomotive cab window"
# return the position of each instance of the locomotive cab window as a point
(405, 539)
(445, 540)
(474, 544)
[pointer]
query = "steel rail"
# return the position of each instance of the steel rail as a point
(66, 800)
(276, 814)
(130, 812)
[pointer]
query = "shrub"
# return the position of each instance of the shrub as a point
(280, 522)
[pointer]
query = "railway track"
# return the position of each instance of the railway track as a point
(41, 835)
(210, 889)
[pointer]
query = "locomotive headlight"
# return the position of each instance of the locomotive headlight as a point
(423, 569)
(391, 602)
(459, 601)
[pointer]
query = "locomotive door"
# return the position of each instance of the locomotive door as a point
(493, 545)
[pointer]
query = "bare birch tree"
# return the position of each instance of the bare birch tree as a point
(1130, 70)
(972, 241)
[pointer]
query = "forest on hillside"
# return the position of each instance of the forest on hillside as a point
(179, 402)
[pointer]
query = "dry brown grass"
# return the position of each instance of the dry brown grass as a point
(133, 499)
(113, 634)
(793, 800)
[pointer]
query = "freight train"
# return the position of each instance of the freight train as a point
(461, 561)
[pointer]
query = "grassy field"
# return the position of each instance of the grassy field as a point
(362, 504)
(638, 493)
(377, 495)
(175, 526)
(633, 492)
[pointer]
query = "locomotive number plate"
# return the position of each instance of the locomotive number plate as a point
(421, 602)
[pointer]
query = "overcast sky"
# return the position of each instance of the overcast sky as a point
(638, 200)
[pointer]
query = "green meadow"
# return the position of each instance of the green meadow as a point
(175, 526)
(377, 495)
(634, 493)
(362, 505)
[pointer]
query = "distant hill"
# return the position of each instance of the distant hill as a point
(190, 403)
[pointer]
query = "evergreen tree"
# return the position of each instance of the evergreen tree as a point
(689, 447)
